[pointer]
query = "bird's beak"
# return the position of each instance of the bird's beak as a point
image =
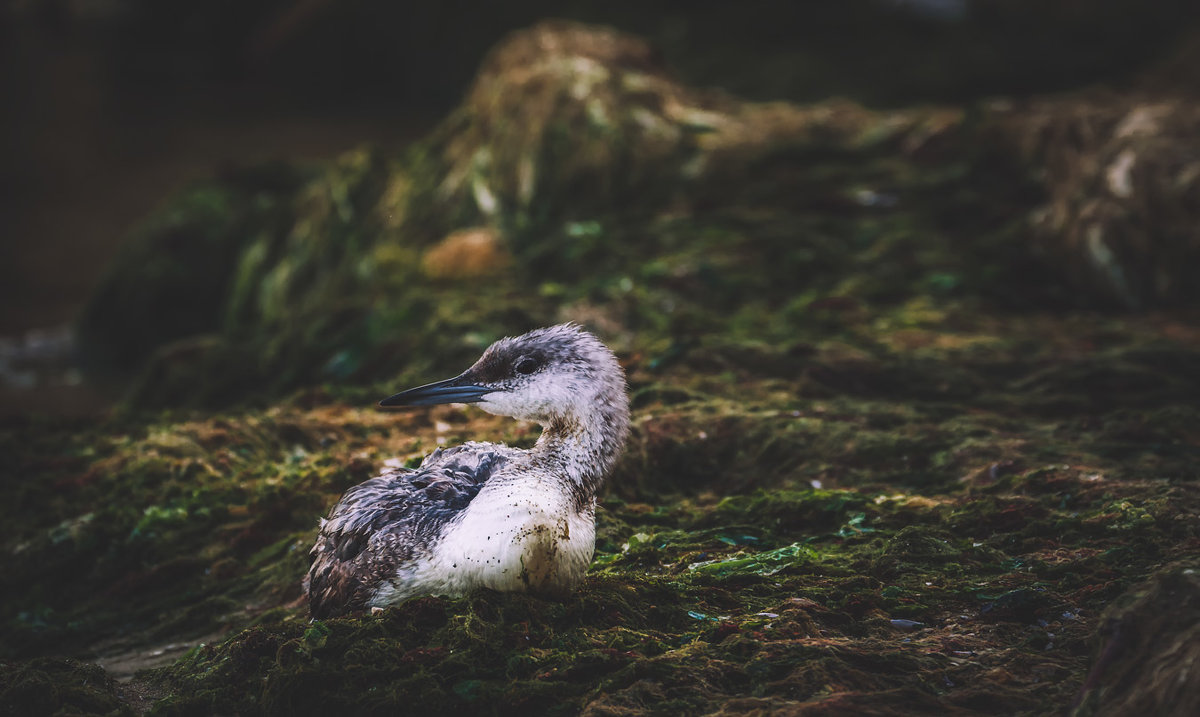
(452, 390)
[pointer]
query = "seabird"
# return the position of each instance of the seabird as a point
(485, 514)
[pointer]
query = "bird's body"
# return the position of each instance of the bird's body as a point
(483, 514)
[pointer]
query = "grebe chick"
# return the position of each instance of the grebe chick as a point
(485, 514)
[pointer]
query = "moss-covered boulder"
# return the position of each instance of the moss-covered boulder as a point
(575, 166)
(567, 120)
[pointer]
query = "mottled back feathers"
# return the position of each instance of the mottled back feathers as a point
(390, 519)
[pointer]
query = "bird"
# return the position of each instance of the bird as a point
(485, 514)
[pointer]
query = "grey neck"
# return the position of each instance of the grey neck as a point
(584, 449)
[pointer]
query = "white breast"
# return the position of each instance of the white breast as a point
(519, 536)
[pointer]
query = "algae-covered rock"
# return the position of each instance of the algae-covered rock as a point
(1123, 176)
(576, 171)
(560, 115)
(566, 125)
(564, 120)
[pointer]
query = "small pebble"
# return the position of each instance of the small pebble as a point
(907, 624)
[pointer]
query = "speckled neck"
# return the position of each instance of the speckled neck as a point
(583, 449)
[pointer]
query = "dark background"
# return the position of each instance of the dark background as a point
(110, 105)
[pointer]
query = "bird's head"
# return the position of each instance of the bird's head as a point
(556, 373)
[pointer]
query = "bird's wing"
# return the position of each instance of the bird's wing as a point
(383, 522)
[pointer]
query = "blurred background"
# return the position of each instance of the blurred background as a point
(111, 106)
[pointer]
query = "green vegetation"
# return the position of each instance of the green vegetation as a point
(865, 475)
(976, 518)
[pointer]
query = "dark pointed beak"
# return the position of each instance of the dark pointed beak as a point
(452, 390)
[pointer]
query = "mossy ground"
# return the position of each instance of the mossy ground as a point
(878, 464)
(986, 489)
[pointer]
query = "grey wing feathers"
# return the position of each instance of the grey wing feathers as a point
(390, 519)
(453, 476)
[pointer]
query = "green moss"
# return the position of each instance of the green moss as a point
(51, 686)
(880, 480)
(949, 525)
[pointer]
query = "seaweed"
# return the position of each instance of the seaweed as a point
(896, 478)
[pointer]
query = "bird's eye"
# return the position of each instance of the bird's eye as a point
(526, 365)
